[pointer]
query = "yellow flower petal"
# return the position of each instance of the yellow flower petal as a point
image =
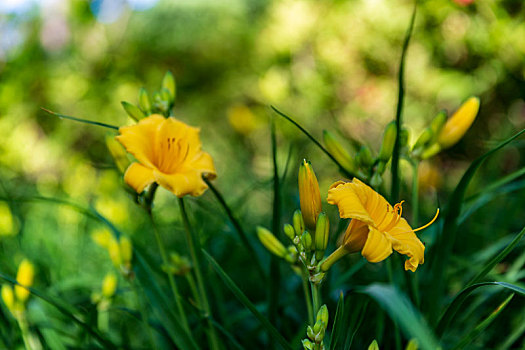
(138, 177)
(355, 236)
(377, 247)
(348, 202)
(139, 139)
(182, 184)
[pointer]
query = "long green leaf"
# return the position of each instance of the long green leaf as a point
(67, 310)
(247, 303)
(242, 234)
(337, 327)
(85, 121)
(403, 313)
(317, 143)
(483, 325)
(454, 306)
(275, 282)
(441, 252)
(492, 262)
(399, 110)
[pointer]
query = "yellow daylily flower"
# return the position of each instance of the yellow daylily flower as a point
(376, 228)
(169, 153)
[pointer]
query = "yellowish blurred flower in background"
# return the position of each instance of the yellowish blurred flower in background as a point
(169, 153)
(376, 227)
(457, 125)
(24, 276)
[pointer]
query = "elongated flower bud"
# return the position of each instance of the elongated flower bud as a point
(338, 151)
(298, 223)
(322, 315)
(322, 232)
(114, 252)
(309, 195)
(109, 285)
(133, 111)
(144, 101)
(365, 156)
(306, 241)
(289, 231)
(438, 122)
(118, 152)
(271, 242)
(126, 250)
(24, 276)
(8, 297)
(423, 139)
(168, 83)
(389, 140)
(373, 345)
(459, 123)
(412, 345)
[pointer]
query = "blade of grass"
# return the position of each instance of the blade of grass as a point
(402, 313)
(317, 143)
(492, 262)
(275, 273)
(459, 299)
(483, 325)
(67, 310)
(85, 121)
(236, 224)
(399, 110)
(515, 335)
(338, 322)
(445, 242)
(275, 335)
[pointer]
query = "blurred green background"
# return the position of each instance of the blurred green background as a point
(329, 64)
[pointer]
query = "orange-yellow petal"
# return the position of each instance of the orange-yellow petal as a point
(138, 177)
(350, 206)
(377, 247)
(355, 236)
(182, 184)
(405, 242)
(203, 163)
(139, 139)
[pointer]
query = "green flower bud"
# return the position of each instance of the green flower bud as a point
(168, 83)
(310, 332)
(322, 315)
(404, 136)
(438, 122)
(133, 111)
(306, 241)
(271, 242)
(144, 101)
(431, 151)
(320, 336)
(423, 140)
(389, 140)
(376, 180)
(298, 223)
(412, 345)
(373, 345)
(322, 232)
(338, 151)
(166, 96)
(307, 344)
(289, 231)
(365, 156)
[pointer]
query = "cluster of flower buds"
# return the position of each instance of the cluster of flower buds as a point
(178, 265)
(365, 165)
(161, 103)
(442, 133)
(16, 301)
(120, 250)
(317, 332)
(275, 246)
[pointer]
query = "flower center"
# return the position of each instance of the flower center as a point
(172, 152)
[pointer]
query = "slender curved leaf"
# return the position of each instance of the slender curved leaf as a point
(454, 306)
(338, 322)
(247, 303)
(399, 308)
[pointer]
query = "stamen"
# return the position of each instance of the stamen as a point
(430, 223)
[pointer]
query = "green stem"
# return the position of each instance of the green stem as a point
(307, 296)
(316, 300)
(336, 255)
(192, 242)
(24, 329)
(193, 287)
(412, 278)
(173, 285)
